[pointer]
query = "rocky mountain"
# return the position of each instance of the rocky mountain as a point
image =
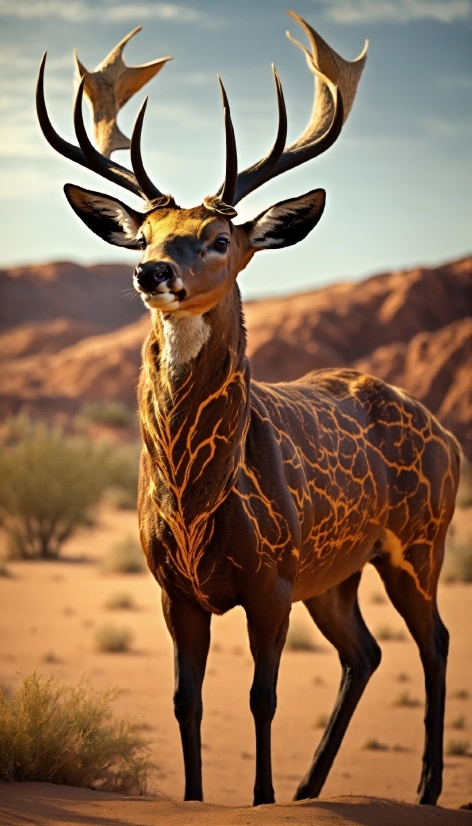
(65, 340)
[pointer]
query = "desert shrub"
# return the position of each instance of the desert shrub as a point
(4, 572)
(405, 700)
(67, 734)
(321, 721)
(122, 469)
(110, 639)
(387, 634)
(457, 747)
(125, 557)
(299, 639)
(460, 694)
(49, 485)
(112, 414)
(458, 560)
(377, 598)
(464, 494)
(372, 744)
(458, 722)
(121, 600)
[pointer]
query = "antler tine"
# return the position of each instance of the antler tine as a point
(109, 87)
(94, 160)
(231, 176)
(336, 82)
(255, 175)
(150, 190)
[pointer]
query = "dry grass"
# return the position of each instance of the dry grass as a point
(458, 723)
(111, 639)
(299, 639)
(120, 601)
(404, 700)
(67, 734)
(386, 634)
(456, 748)
(372, 744)
(125, 557)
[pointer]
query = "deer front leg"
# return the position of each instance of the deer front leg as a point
(267, 626)
(189, 627)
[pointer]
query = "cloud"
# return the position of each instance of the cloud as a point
(396, 11)
(79, 11)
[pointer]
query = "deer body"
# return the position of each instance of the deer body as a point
(260, 495)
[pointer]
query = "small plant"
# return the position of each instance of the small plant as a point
(458, 560)
(460, 694)
(403, 677)
(377, 598)
(112, 640)
(372, 744)
(50, 657)
(4, 572)
(457, 747)
(57, 733)
(299, 639)
(387, 634)
(404, 700)
(123, 466)
(49, 485)
(321, 721)
(111, 414)
(458, 722)
(126, 557)
(121, 600)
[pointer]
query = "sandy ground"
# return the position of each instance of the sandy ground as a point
(50, 611)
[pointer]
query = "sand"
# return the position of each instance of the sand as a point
(49, 612)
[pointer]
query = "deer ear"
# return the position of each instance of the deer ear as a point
(287, 222)
(107, 217)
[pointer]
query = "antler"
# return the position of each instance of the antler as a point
(109, 87)
(86, 155)
(336, 82)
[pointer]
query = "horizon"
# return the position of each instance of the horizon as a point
(397, 180)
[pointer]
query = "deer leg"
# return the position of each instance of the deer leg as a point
(419, 610)
(267, 627)
(338, 617)
(189, 627)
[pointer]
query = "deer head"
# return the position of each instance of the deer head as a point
(191, 257)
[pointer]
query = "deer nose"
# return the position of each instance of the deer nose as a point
(150, 275)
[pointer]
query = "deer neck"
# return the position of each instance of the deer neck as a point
(194, 402)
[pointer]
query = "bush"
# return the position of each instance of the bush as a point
(125, 557)
(387, 634)
(112, 414)
(458, 560)
(299, 639)
(121, 600)
(110, 639)
(372, 744)
(66, 734)
(123, 466)
(404, 700)
(49, 486)
(457, 747)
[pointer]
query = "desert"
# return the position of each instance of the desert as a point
(55, 361)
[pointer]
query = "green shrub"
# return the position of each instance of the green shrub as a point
(387, 634)
(125, 557)
(299, 639)
(405, 700)
(49, 486)
(112, 414)
(457, 747)
(110, 639)
(121, 600)
(458, 560)
(67, 734)
(122, 470)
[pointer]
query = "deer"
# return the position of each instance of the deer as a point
(261, 495)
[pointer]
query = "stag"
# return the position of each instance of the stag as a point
(260, 495)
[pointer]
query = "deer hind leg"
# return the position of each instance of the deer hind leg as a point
(189, 627)
(338, 617)
(419, 610)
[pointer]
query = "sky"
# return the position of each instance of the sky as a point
(398, 180)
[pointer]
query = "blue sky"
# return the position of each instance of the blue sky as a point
(398, 180)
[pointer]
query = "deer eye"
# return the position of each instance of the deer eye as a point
(142, 242)
(221, 243)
